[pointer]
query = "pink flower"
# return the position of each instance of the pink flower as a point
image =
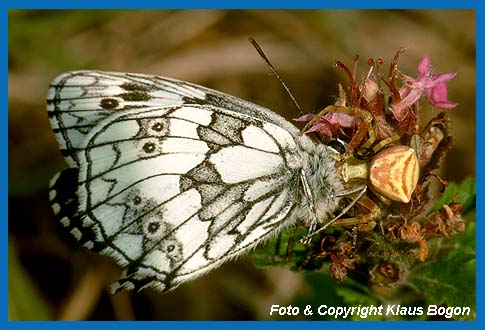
(305, 117)
(328, 123)
(433, 84)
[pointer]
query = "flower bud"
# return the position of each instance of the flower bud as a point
(369, 89)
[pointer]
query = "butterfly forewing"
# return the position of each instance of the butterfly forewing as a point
(172, 178)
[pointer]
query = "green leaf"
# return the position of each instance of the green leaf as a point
(281, 250)
(466, 191)
(450, 279)
(354, 297)
(319, 289)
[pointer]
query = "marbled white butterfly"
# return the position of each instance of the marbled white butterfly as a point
(172, 179)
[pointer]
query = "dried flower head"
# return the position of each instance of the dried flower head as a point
(389, 148)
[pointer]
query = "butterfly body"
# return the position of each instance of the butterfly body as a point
(172, 179)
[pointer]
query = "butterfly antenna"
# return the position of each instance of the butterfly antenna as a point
(271, 67)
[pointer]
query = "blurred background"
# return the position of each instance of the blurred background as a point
(51, 278)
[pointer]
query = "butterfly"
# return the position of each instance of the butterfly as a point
(172, 179)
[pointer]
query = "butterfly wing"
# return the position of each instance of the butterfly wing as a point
(169, 178)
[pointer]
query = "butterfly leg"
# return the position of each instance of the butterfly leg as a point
(311, 202)
(312, 232)
(364, 221)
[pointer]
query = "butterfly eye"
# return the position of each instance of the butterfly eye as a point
(170, 248)
(337, 146)
(137, 200)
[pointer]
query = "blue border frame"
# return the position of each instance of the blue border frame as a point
(234, 4)
(240, 4)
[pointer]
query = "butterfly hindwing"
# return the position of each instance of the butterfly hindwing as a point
(172, 178)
